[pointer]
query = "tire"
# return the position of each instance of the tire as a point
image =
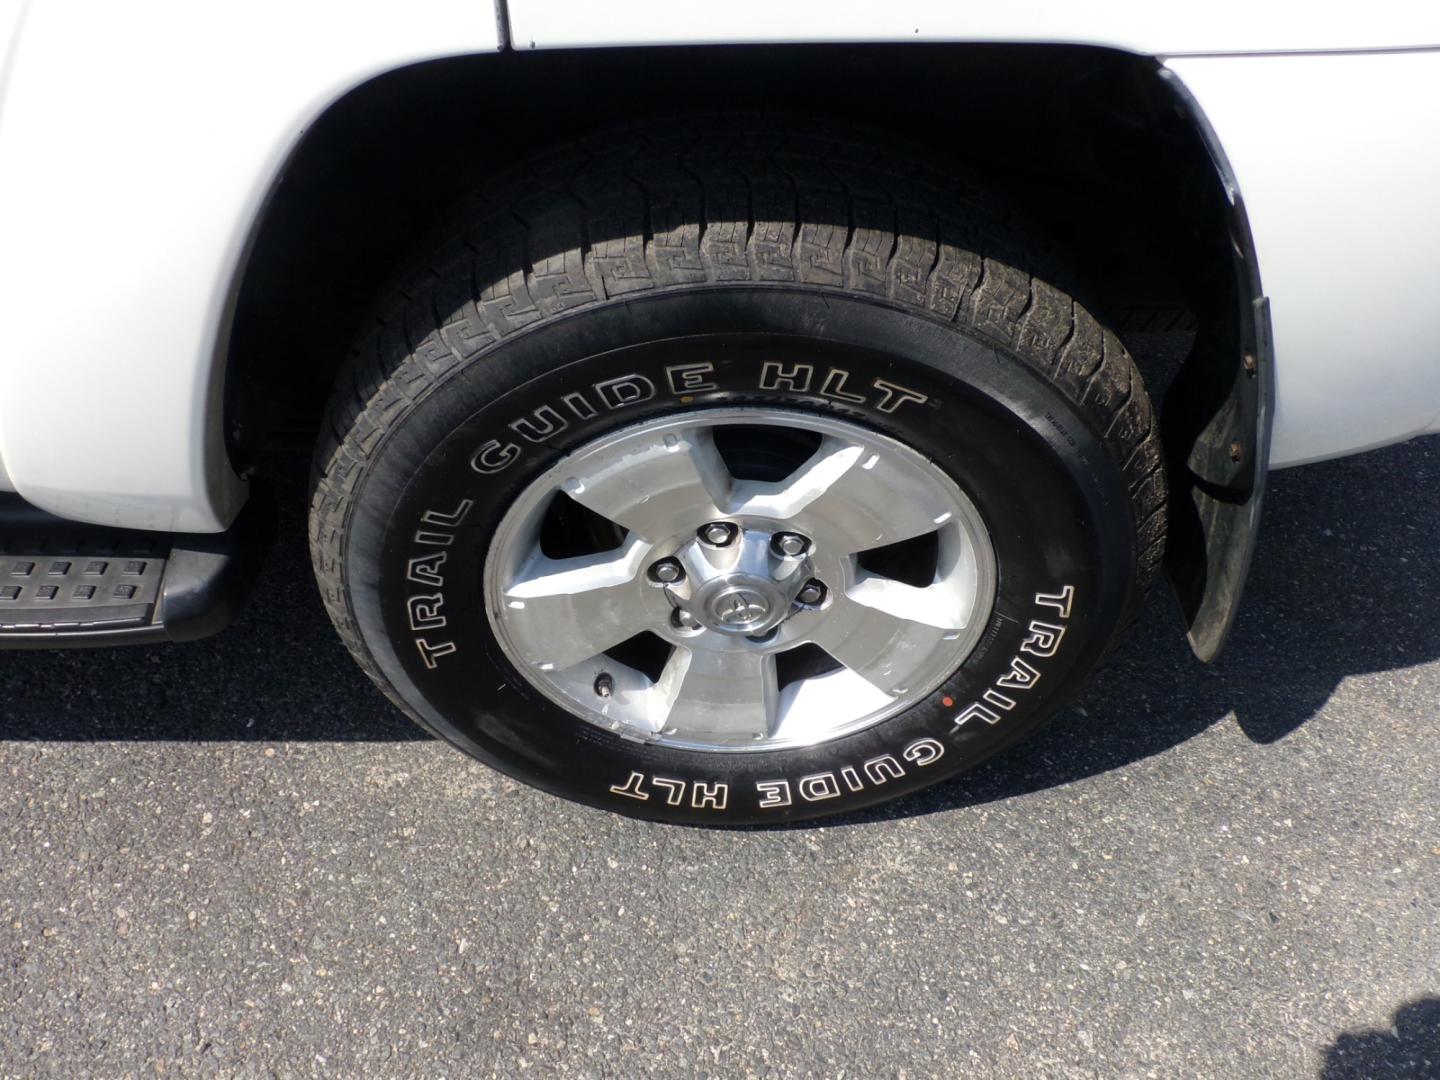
(689, 277)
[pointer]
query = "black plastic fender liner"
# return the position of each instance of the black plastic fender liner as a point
(1216, 424)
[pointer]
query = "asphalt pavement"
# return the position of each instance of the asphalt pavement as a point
(233, 858)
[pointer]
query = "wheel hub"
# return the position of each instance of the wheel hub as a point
(747, 587)
(743, 612)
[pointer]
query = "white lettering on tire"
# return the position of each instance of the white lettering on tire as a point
(1042, 641)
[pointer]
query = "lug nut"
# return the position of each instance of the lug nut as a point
(683, 620)
(792, 544)
(717, 533)
(666, 571)
(811, 593)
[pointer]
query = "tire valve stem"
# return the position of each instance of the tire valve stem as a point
(604, 684)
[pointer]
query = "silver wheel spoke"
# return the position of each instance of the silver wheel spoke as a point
(807, 706)
(851, 497)
(939, 606)
(659, 489)
(563, 611)
(873, 631)
(721, 695)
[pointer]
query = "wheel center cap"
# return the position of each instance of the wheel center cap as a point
(740, 604)
(739, 607)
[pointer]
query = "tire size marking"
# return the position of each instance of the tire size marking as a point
(682, 381)
(425, 610)
(1042, 641)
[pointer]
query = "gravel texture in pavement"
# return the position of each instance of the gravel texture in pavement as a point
(235, 858)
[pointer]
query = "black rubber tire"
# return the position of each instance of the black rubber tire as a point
(727, 244)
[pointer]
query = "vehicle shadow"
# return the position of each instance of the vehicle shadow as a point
(1408, 1050)
(1347, 581)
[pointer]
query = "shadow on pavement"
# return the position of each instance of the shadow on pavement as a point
(1408, 1050)
(1347, 581)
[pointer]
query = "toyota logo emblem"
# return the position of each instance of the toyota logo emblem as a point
(740, 607)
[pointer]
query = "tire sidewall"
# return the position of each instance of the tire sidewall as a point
(422, 516)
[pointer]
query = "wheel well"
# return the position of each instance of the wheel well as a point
(1087, 138)
(1098, 145)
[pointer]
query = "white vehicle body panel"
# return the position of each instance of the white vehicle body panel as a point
(1138, 26)
(1338, 160)
(138, 142)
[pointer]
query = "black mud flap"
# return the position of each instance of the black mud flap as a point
(1216, 428)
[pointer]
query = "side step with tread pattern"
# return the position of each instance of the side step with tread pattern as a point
(66, 584)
